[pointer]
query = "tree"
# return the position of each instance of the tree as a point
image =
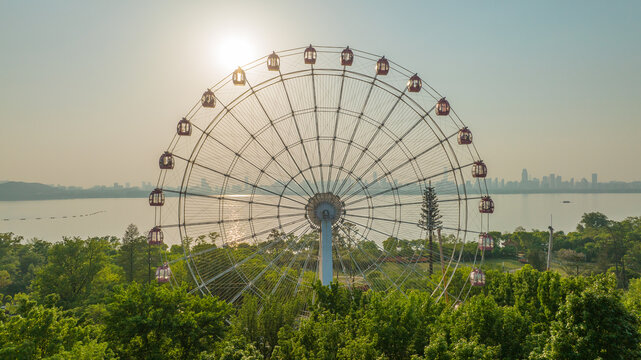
(260, 325)
(34, 331)
(156, 322)
(132, 255)
(430, 218)
(71, 270)
(571, 261)
(593, 325)
(594, 220)
(19, 262)
(632, 298)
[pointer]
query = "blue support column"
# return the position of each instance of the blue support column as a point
(326, 266)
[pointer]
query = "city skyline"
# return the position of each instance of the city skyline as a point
(551, 183)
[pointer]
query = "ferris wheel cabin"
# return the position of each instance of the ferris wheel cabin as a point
(184, 127)
(443, 107)
(208, 100)
(163, 273)
(479, 170)
(155, 236)
(464, 136)
(382, 66)
(414, 84)
(486, 206)
(310, 55)
(486, 242)
(273, 62)
(238, 77)
(157, 198)
(477, 278)
(166, 161)
(347, 57)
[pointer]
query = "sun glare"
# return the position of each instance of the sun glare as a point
(234, 51)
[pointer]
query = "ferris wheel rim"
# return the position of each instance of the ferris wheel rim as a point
(460, 229)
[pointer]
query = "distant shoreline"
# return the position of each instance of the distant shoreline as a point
(21, 191)
(145, 194)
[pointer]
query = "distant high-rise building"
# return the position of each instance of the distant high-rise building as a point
(524, 178)
(594, 180)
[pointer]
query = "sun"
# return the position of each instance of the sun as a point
(234, 51)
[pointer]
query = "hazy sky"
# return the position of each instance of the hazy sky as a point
(90, 92)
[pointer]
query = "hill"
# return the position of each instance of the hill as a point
(17, 190)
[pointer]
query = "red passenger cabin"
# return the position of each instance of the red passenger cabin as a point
(464, 136)
(382, 66)
(166, 161)
(238, 77)
(486, 242)
(486, 206)
(184, 127)
(479, 170)
(477, 278)
(208, 100)
(414, 84)
(443, 107)
(157, 198)
(163, 273)
(273, 62)
(347, 57)
(155, 236)
(310, 55)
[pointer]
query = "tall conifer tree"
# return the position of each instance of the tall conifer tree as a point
(430, 218)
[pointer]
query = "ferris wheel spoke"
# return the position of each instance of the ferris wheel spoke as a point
(263, 271)
(358, 121)
(300, 136)
(395, 188)
(318, 144)
(241, 262)
(408, 161)
(431, 252)
(240, 155)
(393, 221)
(374, 262)
(395, 144)
(338, 109)
(242, 181)
(227, 198)
(217, 222)
(360, 270)
(388, 255)
(271, 122)
(302, 272)
(240, 240)
(413, 203)
(340, 259)
(291, 262)
(378, 130)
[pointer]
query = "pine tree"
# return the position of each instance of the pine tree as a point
(430, 217)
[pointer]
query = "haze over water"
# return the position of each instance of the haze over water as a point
(532, 211)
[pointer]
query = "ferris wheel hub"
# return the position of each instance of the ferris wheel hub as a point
(324, 206)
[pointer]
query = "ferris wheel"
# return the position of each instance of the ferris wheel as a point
(312, 164)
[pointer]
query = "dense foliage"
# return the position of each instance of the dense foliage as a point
(92, 299)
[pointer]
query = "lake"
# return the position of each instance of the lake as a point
(98, 217)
